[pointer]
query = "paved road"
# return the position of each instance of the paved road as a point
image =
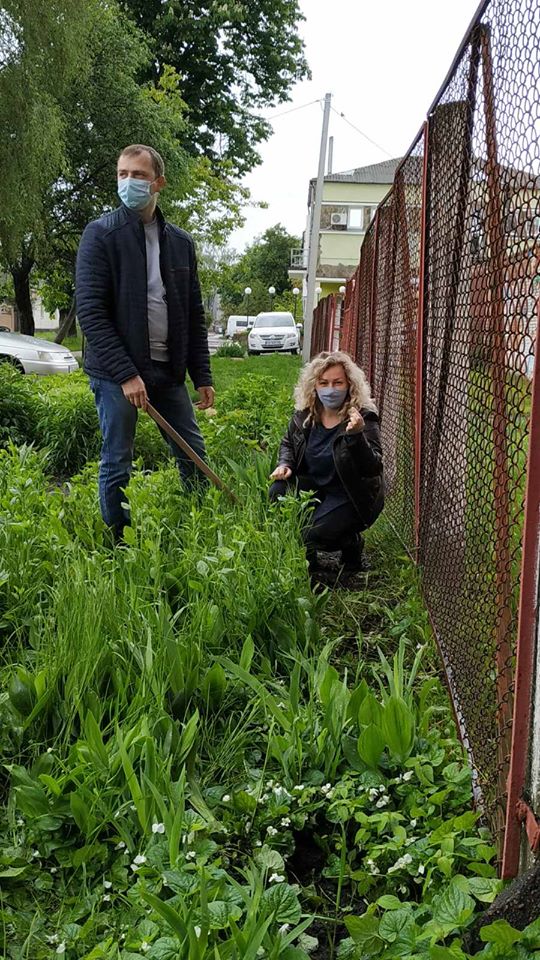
(215, 340)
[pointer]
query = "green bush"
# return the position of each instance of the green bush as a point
(231, 349)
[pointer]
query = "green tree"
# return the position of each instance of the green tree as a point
(43, 49)
(265, 263)
(234, 57)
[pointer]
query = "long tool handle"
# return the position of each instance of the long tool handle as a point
(184, 445)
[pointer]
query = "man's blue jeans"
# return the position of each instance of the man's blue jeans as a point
(118, 420)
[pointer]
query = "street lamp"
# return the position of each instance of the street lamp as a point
(342, 289)
(318, 291)
(272, 292)
(247, 294)
(296, 292)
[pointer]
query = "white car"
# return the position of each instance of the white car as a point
(32, 355)
(274, 333)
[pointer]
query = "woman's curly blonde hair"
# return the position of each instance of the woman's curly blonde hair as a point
(305, 394)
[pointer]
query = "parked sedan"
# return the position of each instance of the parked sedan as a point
(32, 355)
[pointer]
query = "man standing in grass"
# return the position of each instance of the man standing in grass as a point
(140, 308)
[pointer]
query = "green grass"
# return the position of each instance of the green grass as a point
(71, 343)
(203, 759)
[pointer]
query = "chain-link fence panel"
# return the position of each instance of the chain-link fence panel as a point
(483, 228)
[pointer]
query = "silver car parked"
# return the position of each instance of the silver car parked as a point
(32, 355)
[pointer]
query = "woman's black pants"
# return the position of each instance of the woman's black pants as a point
(338, 529)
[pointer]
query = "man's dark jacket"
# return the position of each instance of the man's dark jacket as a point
(357, 459)
(112, 300)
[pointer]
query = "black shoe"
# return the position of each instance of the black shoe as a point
(352, 555)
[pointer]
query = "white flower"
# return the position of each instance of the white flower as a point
(197, 932)
(373, 793)
(373, 868)
(145, 946)
(408, 775)
(382, 802)
(158, 828)
(421, 869)
(52, 938)
(34, 854)
(140, 858)
(327, 789)
(19, 822)
(107, 884)
(54, 870)
(271, 831)
(285, 821)
(400, 862)
(413, 824)
(276, 878)
(120, 846)
(283, 929)
(61, 948)
(190, 855)
(226, 798)
(258, 843)
(299, 786)
(106, 897)
(49, 749)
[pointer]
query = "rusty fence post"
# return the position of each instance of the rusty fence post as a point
(501, 480)
(373, 303)
(420, 346)
(527, 633)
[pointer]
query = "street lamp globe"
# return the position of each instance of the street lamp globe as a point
(318, 291)
(247, 291)
(296, 291)
(342, 289)
(271, 291)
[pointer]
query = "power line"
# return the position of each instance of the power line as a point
(292, 110)
(361, 132)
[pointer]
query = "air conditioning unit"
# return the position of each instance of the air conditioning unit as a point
(339, 221)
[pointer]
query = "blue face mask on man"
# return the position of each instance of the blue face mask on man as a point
(331, 397)
(134, 193)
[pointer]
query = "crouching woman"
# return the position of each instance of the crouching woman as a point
(333, 448)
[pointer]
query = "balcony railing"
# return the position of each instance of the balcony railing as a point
(299, 258)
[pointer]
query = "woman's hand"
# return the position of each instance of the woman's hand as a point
(356, 422)
(281, 473)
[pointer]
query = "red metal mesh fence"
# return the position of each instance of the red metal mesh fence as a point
(441, 313)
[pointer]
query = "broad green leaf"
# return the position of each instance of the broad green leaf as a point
(371, 744)
(395, 923)
(369, 711)
(246, 656)
(281, 900)
(163, 949)
(484, 889)
(12, 871)
(365, 931)
(452, 908)
(79, 812)
(501, 933)
(269, 859)
(221, 914)
(398, 727)
(389, 902)
(213, 685)
(446, 953)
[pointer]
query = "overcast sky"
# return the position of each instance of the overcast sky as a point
(383, 62)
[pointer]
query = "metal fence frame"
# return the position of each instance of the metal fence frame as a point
(370, 307)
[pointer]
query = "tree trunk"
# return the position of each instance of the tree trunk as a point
(21, 281)
(68, 323)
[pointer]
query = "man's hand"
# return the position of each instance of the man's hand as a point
(206, 395)
(134, 390)
(281, 473)
(356, 422)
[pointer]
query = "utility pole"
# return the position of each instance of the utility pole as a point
(313, 254)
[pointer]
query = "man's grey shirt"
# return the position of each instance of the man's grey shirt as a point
(158, 322)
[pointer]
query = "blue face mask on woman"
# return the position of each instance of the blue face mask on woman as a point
(331, 397)
(134, 193)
